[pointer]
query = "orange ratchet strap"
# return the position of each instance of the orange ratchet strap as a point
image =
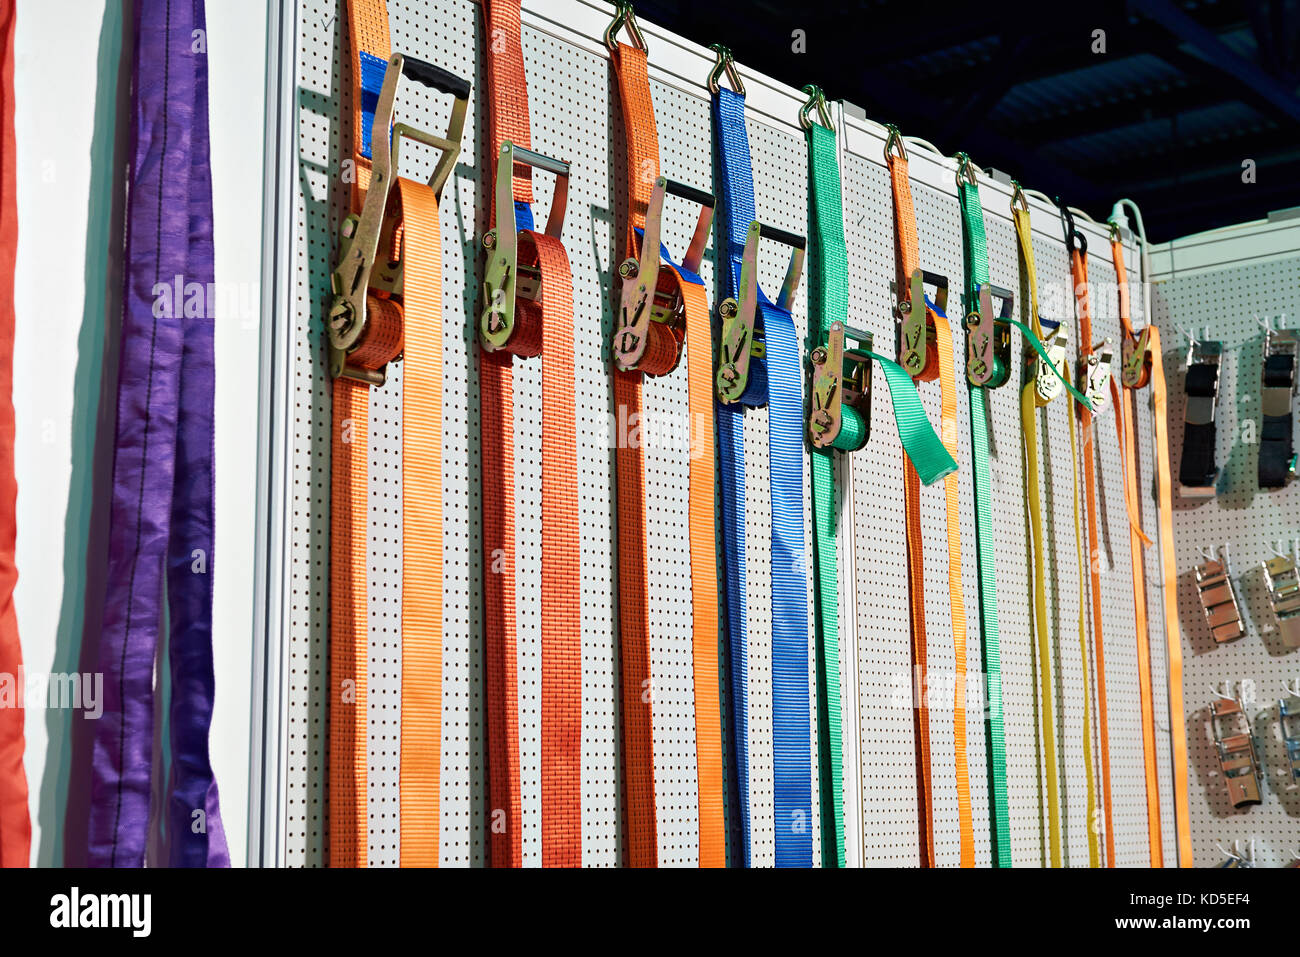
(527, 310)
(1140, 369)
(662, 306)
(1136, 373)
(1096, 365)
(926, 352)
(386, 306)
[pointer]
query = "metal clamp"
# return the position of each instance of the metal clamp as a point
(357, 271)
(1204, 362)
(739, 339)
(916, 332)
(839, 377)
(1094, 377)
(1238, 756)
(1288, 714)
(988, 340)
(1135, 368)
(644, 299)
(1283, 583)
(504, 279)
(1219, 600)
(1047, 382)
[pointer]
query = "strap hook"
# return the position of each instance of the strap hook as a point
(1018, 196)
(624, 15)
(724, 64)
(966, 170)
(894, 139)
(816, 98)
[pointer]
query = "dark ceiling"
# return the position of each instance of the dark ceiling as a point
(1183, 95)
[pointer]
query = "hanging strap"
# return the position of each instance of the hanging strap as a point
(1083, 308)
(939, 364)
(1134, 379)
(1173, 633)
(159, 513)
(15, 824)
(977, 275)
(662, 354)
(543, 324)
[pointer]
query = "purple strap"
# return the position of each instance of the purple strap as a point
(162, 511)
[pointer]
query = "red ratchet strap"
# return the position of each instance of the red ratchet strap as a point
(1079, 272)
(1143, 363)
(379, 313)
(15, 824)
(662, 352)
(542, 324)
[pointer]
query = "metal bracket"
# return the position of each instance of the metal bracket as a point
(1047, 384)
(839, 377)
(739, 339)
(1200, 409)
(1094, 377)
(504, 279)
(988, 340)
(1283, 583)
(1238, 756)
(1219, 600)
(643, 298)
(1135, 371)
(357, 271)
(1288, 713)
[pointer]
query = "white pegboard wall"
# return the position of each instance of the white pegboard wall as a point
(575, 117)
(1221, 286)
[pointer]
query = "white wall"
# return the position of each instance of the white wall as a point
(65, 72)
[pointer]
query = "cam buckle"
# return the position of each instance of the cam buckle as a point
(1135, 371)
(648, 293)
(1283, 583)
(839, 377)
(1095, 375)
(1219, 600)
(1288, 713)
(988, 340)
(505, 280)
(1047, 380)
(359, 267)
(1238, 756)
(916, 332)
(739, 339)
(1204, 362)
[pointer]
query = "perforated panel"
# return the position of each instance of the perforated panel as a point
(575, 117)
(1228, 303)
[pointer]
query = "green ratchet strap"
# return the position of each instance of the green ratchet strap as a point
(828, 306)
(977, 276)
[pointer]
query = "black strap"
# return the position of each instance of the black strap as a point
(1197, 469)
(1276, 445)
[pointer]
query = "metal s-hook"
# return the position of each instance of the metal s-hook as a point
(724, 64)
(1018, 197)
(894, 139)
(624, 16)
(966, 170)
(816, 98)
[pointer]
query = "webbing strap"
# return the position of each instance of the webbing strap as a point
(550, 320)
(162, 498)
(1137, 540)
(1173, 634)
(415, 327)
(642, 144)
(977, 275)
(1079, 274)
(15, 825)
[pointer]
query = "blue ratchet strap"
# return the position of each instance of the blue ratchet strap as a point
(777, 381)
(372, 80)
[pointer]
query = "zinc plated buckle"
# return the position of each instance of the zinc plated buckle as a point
(505, 280)
(1095, 375)
(916, 332)
(1280, 575)
(988, 339)
(357, 271)
(1288, 713)
(1218, 598)
(1047, 384)
(738, 339)
(1201, 409)
(1238, 756)
(642, 301)
(1135, 371)
(839, 377)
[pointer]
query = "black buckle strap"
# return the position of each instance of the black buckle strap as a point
(1277, 460)
(1198, 473)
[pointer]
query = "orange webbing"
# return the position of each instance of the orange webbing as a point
(348, 640)
(921, 704)
(421, 713)
(907, 244)
(957, 604)
(1124, 423)
(1079, 270)
(704, 581)
(633, 613)
(1173, 634)
(562, 588)
(507, 87)
(368, 31)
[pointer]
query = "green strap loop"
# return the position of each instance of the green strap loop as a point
(977, 274)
